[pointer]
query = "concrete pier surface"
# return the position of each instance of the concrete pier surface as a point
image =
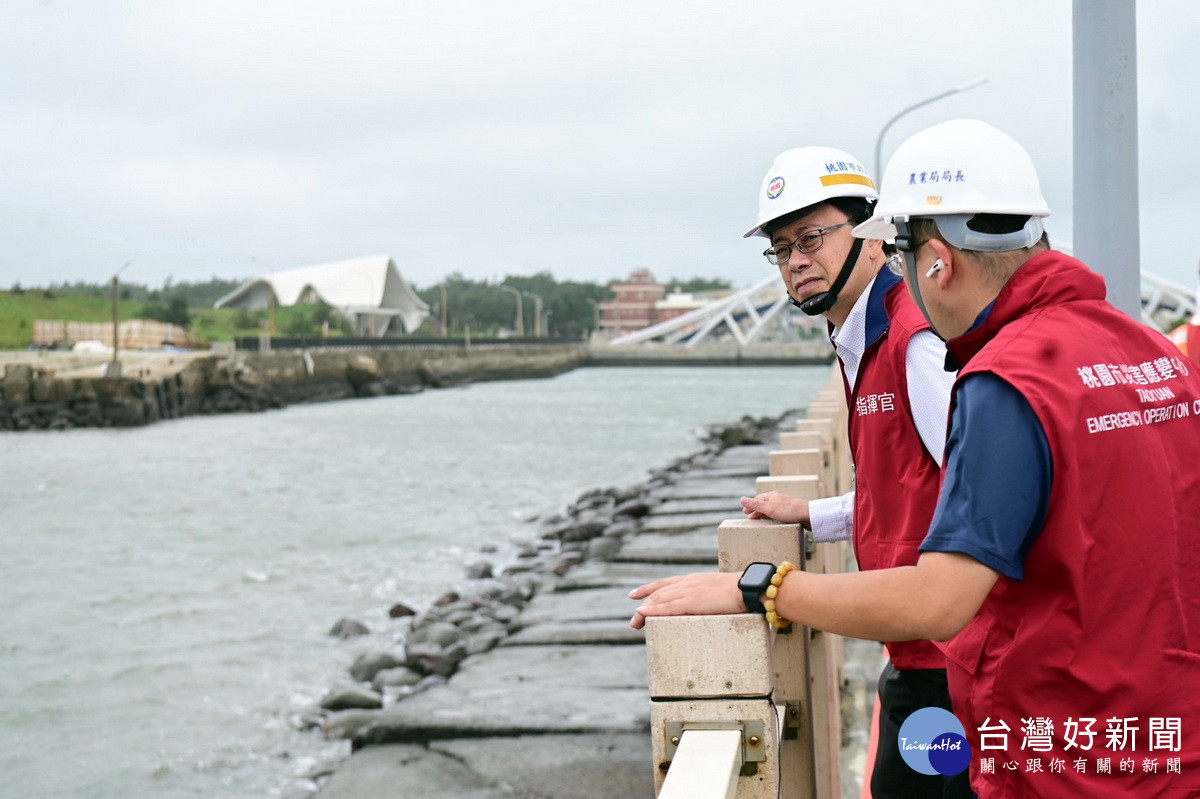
(560, 709)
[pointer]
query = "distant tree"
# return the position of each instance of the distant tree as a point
(567, 308)
(16, 288)
(311, 321)
(203, 295)
(177, 312)
(248, 320)
(696, 284)
(174, 313)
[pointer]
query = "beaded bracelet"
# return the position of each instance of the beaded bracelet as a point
(773, 618)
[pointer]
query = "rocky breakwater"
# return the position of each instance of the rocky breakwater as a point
(34, 398)
(529, 676)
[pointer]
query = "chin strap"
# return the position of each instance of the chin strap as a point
(904, 246)
(820, 303)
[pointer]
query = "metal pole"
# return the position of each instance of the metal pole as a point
(879, 140)
(1105, 146)
(520, 311)
(537, 313)
(115, 369)
(445, 316)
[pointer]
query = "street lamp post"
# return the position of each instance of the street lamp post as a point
(445, 313)
(537, 313)
(520, 311)
(913, 107)
(114, 369)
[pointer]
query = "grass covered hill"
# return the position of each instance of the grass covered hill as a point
(19, 309)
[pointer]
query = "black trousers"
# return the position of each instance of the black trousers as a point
(901, 693)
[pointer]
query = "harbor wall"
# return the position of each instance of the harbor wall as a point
(61, 391)
(33, 395)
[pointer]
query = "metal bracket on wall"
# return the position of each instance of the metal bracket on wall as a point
(754, 747)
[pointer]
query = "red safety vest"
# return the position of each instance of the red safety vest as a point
(897, 479)
(1105, 624)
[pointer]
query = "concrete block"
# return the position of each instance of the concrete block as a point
(811, 439)
(692, 657)
(797, 461)
(800, 486)
(744, 541)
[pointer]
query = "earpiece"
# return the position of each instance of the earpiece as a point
(937, 267)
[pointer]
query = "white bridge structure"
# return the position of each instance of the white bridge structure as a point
(763, 312)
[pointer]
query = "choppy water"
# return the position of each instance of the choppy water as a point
(167, 591)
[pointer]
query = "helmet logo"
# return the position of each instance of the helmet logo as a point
(775, 188)
(933, 199)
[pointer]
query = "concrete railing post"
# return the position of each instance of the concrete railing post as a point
(713, 672)
(779, 690)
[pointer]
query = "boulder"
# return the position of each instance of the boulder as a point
(399, 677)
(348, 628)
(442, 633)
(344, 723)
(367, 665)
(347, 698)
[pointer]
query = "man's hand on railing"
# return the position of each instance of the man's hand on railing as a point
(700, 594)
(777, 506)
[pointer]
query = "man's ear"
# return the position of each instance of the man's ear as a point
(942, 269)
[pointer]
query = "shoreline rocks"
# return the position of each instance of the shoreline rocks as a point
(429, 647)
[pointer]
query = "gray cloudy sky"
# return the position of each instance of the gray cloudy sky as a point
(228, 137)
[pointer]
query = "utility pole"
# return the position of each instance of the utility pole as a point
(445, 315)
(114, 368)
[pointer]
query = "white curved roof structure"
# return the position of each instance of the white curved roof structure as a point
(368, 291)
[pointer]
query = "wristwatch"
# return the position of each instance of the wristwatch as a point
(753, 583)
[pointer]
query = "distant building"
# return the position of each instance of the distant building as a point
(135, 334)
(633, 304)
(369, 292)
(677, 303)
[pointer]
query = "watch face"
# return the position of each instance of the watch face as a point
(757, 575)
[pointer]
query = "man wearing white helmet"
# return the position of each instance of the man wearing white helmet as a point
(1061, 565)
(809, 201)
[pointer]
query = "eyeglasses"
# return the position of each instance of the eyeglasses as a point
(905, 252)
(809, 241)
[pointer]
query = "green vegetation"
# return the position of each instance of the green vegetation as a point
(569, 308)
(698, 284)
(19, 308)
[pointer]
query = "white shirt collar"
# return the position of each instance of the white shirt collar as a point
(850, 339)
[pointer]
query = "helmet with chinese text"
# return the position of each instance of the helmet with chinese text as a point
(952, 172)
(805, 176)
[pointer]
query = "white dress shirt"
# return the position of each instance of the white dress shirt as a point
(832, 519)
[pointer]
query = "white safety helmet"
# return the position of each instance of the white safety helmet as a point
(806, 176)
(952, 171)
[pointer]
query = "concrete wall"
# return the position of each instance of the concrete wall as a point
(41, 392)
(33, 396)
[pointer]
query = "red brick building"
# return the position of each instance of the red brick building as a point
(632, 305)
